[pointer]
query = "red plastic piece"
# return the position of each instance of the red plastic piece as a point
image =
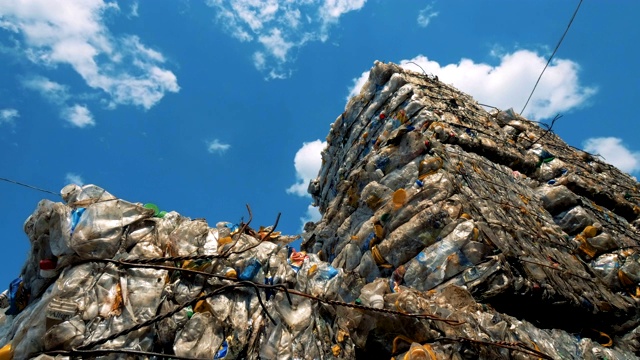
(47, 264)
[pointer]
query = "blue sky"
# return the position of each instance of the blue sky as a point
(205, 106)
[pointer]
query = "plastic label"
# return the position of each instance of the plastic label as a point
(76, 215)
(61, 309)
(18, 297)
(222, 353)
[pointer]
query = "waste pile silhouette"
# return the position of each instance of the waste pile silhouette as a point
(447, 232)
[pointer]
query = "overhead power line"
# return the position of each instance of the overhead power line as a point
(551, 57)
(29, 186)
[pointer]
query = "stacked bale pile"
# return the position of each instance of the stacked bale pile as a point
(423, 187)
(447, 232)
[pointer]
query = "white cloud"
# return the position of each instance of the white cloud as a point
(425, 15)
(357, 84)
(133, 12)
(509, 83)
(307, 162)
(275, 44)
(258, 60)
(614, 152)
(8, 116)
(50, 90)
(58, 94)
(280, 26)
(331, 10)
(73, 178)
(78, 115)
(73, 33)
(313, 214)
(216, 146)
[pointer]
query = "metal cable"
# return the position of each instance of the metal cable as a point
(551, 57)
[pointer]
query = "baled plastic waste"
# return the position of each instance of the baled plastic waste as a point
(446, 232)
(436, 191)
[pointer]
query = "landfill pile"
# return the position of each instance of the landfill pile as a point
(423, 187)
(447, 232)
(111, 278)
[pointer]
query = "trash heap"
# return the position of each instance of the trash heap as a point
(422, 187)
(447, 233)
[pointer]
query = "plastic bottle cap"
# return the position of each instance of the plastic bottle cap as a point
(399, 198)
(376, 301)
(590, 231)
(47, 274)
(47, 264)
(153, 207)
(231, 273)
(379, 231)
(336, 349)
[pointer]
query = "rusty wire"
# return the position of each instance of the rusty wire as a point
(244, 227)
(156, 318)
(277, 287)
(560, 268)
(517, 346)
(549, 129)
(156, 263)
(258, 243)
(102, 352)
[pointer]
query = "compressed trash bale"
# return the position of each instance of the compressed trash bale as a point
(574, 220)
(530, 196)
(557, 198)
(206, 292)
(505, 280)
(201, 337)
(441, 260)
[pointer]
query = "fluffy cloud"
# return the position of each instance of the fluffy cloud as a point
(50, 90)
(425, 15)
(73, 178)
(307, 163)
(276, 44)
(280, 26)
(216, 146)
(331, 10)
(58, 94)
(7, 116)
(133, 12)
(358, 83)
(78, 115)
(312, 214)
(614, 152)
(509, 83)
(73, 33)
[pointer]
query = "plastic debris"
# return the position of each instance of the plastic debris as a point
(399, 198)
(441, 237)
(491, 202)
